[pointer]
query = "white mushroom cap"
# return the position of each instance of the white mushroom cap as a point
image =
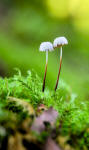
(46, 46)
(60, 41)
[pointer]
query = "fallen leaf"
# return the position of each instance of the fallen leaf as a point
(48, 116)
(51, 145)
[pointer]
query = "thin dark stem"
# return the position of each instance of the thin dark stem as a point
(58, 73)
(44, 78)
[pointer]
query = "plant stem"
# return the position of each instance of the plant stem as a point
(59, 69)
(45, 71)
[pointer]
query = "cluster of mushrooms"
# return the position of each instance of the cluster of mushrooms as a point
(48, 46)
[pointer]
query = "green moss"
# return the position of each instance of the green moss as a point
(73, 113)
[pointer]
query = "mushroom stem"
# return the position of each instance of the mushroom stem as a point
(45, 71)
(59, 69)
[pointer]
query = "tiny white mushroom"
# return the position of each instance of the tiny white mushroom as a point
(45, 47)
(59, 42)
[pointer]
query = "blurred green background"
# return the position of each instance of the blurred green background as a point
(24, 24)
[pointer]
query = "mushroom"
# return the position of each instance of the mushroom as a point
(59, 42)
(45, 47)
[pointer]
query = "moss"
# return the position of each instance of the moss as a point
(23, 91)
